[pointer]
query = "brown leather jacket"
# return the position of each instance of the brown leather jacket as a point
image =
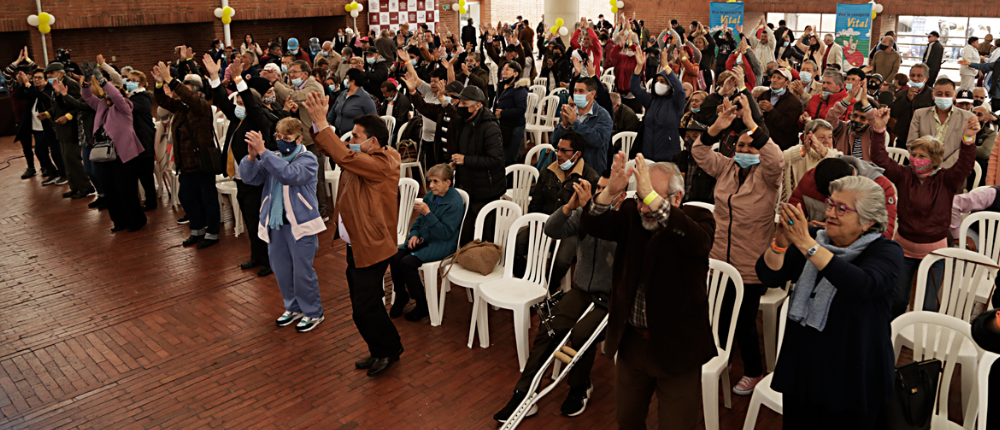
(367, 198)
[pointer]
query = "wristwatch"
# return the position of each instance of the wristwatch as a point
(812, 251)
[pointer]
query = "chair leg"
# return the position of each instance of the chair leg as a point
(752, 411)
(442, 294)
(431, 289)
(770, 336)
(522, 322)
(969, 365)
(484, 324)
(710, 399)
(468, 293)
(727, 390)
(474, 321)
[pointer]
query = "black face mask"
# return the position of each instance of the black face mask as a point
(977, 103)
(465, 112)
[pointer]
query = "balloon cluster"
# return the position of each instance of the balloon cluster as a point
(876, 9)
(616, 5)
(354, 8)
(460, 7)
(558, 28)
(43, 21)
(225, 14)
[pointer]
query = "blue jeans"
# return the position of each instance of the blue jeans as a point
(901, 298)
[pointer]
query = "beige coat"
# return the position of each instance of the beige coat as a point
(744, 213)
(924, 124)
(797, 164)
(283, 91)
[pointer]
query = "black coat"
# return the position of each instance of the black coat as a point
(375, 74)
(850, 365)
(142, 121)
(400, 109)
(30, 95)
(256, 119)
(482, 174)
(782, 121)
(551, 193)
(933, 60)
(469, 35)
(902, 109)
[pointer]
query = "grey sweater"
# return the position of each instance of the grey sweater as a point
(594, 257)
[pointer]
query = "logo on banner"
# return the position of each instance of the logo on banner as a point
(853, 32)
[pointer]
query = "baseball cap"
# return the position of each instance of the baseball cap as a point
(964, 96)
(454, 87)
(293, 43)
(472, 93)
(783, 72)
(934, 33)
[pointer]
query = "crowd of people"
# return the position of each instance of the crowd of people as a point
(788, 142)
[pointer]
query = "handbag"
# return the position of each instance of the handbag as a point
(477, 256)
(701, 81)
(407, 151)
(914, 392)
(104, 149)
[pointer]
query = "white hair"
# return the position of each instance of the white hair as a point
(676, 178)
(869, 200)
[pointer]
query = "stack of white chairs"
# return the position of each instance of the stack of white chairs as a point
(545, 120)
(539, 89)
(406, 169)
(332, 180)
(529, 113)
(228, 188)
(408, 189)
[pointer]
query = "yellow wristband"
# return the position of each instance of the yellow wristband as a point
(650, 197)
(159, 84)
(968, 139)
(69, 116)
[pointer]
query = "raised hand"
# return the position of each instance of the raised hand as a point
(643, 186)
(255, 142)
(187, 51)
(211, 66)
(881, 119)
(972, 127)
(164, 72)
(22, 78)
(640, 59)
(412, 81)
(100, 59)
(22, 55)
(619, 176)
(290, 105)
(236, 68)
(725, 118)
(59, 88)
(317, 105)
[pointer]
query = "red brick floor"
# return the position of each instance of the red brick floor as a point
(130, 330)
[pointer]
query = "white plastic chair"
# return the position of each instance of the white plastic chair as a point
(769, 304)
(535, 150)
(703, 205)
(627, 138)
(408, 188)
(609, 71)
(228, 188)
(516, 294)
(506, 213)
(430, 273)
(529, 113)
(390, 122)
(986, 244)
(540, 90)
(406, 169)
(964, 271)
(763, 394)
(985, 364)
(545, 119)
(558, 91)
(898, 154)
(541, 81)
(524, 176)
(978, 173)
(719, 275)
(608, 81)
(939, 336)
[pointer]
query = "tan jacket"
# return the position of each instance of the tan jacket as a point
(367, 198)
(797, 165)
(886, 63)
(991, 169)
(924, 124)
(283, 91)
(744, 213)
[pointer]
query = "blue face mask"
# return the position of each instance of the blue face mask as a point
(849, 87)
(943, 103)
(413, 62)
(568, 164)
(777, 91)
(370, 60)
(297, 81)
(746, 161)
(806, 77)
(447, 99)
(286, 146)
(827, 94)
(332, 87)
(284, 68)
(356, 147)
(917, 85)
(131, 86)
(695, 110)
(580, 100)
(52, 81)
(326, 54)
(347, 83)
(788, 43)
(240, 112)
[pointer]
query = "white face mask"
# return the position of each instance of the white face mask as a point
(661, 88)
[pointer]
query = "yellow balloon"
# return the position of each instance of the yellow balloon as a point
(554, 30)
(44, 18)
(614, 9)
(226, 19)
(44, 28)
(462, 10)
(461, 3)
(227, 11)
(347, 7)
(873, 14)
(559, 22)
(613, 2)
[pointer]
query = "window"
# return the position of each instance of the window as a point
(955, 32)
(825, 23)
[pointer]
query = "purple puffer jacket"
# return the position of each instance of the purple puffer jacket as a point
(116, 119)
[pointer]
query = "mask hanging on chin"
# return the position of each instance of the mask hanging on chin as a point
(568, 164)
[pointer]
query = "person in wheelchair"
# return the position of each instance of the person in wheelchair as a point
(592, 284)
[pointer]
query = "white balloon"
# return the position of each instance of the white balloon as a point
(563, 31)
(354, 14)
(878, 8)
(455, 6)
(52, 19)
(621, 4)
(33, 20)
(361, 7)
(232, 14)
(218, 12)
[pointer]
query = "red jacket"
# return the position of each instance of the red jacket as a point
(751, 79)
(814, 203)
(624, 66)
(818, 107)
(594, 50)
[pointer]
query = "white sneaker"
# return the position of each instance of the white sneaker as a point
(287, 318)
(306, 324)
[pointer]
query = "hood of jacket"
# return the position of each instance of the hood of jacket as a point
(523, 82)
(864, 168)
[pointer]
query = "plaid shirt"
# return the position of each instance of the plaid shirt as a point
(637, 317)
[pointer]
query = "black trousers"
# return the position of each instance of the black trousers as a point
(72, 155)
(43, 147)
(145, 172)
(365, 285)
(248, 197)
(800, 413)
(406, 281)
(122, 192)
(566, 313)
(746, 326)
(200, 200)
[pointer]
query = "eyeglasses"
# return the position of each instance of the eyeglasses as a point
(839, 208)
(279, 136)
(565, 151)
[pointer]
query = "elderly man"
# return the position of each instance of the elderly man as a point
(933, 55)
(943, 121)
(833, 53)
(647, 311)
(820, 104)
(817, 144)
(970, 55)
(62, 113)
(300, 84)
(809, 84)
(781, 109)
(909, 100)
(366, 211)
(886, 61)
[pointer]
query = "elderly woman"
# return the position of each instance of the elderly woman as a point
(352, 103)
(836, 365)
(745, 197)
(432, 237)
(693, 107)
(816, 144)
(925, 192)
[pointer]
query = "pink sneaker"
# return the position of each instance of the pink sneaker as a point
(746, 385)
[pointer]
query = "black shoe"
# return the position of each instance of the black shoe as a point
(97, 203)
(117, 229)
(69, 194)
(247, 265)
(576, 401)
(183, 220)
(382, 365)
(397, 307)
(29, 172)
(364, 364)
(264, 271)
(82, 194)
(207, 243)
(512, 405)
(46, 173)
(50, 181)
(192, 240)
(61, 180)
(136, 228)
(418, 313)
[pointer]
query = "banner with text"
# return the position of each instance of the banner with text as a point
(854, 33)
(725, 15)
